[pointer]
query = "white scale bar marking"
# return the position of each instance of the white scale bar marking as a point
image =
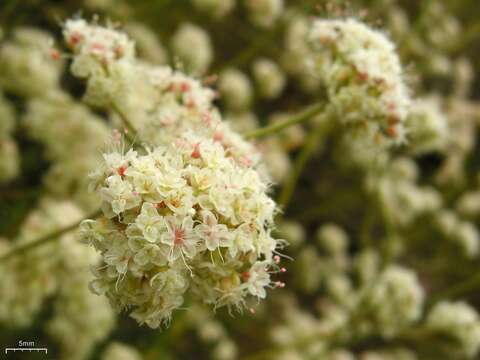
(26, 349)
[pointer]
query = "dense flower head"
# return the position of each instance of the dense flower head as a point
(72, 136)
(332, 238)
(269, 78)
(264, 13)
(362, 75)
(147, 43)
(428, 126)
(119, 351)
(192, 45)
(9, 156)
(458, 321)
(395, 301)
(297, 46)
(28, 280)
(60, 270)
(292, 232)
(463, 234)
(101, 54)
(211, 331)
(160, 102)
(27, 67)
(183, 217)
(80, 318)
(235, 89)
(399, 194)
(105, 44)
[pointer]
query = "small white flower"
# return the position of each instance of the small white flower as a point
(258, 279)
(150, 223)
(214, 234)
(180, 237)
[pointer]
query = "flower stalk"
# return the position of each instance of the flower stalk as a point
(302, 159)
(21, 249)
(296, 119)
(456, 291)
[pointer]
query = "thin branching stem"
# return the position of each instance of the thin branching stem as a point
(456, 291)
(21, 249)
(280, 125)
(307, 150)
(131, 134)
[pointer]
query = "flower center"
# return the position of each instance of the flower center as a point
(179, 235)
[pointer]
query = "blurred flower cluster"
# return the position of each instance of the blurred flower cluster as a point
(251, 179)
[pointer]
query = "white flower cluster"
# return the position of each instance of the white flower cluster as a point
(269, 78)
(462, 120)
(235, 89)
(332, 239)
(161, 103)
(60, 268)
(183, 217)
(428, 126)
(468, 204)
(119, 351)
(394, 353)
(9, 157)
(399, 195)
(192, 45)
(28, 280)
(462, 233)
(296, 326)
(458, 321)
(264, 13)
(296, 46)
(212, 332)
(275, 161)
(310, 270)
(363, 78)
(100, 55)
(26, 64)
(292, 231)
(393, 302)
(147, 44)
(73, 137)
(215, 8)
(80, 318)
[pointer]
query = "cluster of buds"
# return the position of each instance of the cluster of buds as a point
(459, 322)
(9, 157)
(161, 103)
(264, 13)
(363, 77)
(59, 269)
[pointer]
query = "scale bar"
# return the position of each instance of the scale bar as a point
(26, 349)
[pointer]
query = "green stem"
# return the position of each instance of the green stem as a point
(132, 134)
(456, 291)
(280, 125)
(249, 52)
(263, 41)
(21, 249)
(302, 158)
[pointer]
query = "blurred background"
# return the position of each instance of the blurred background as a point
(417, 222)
